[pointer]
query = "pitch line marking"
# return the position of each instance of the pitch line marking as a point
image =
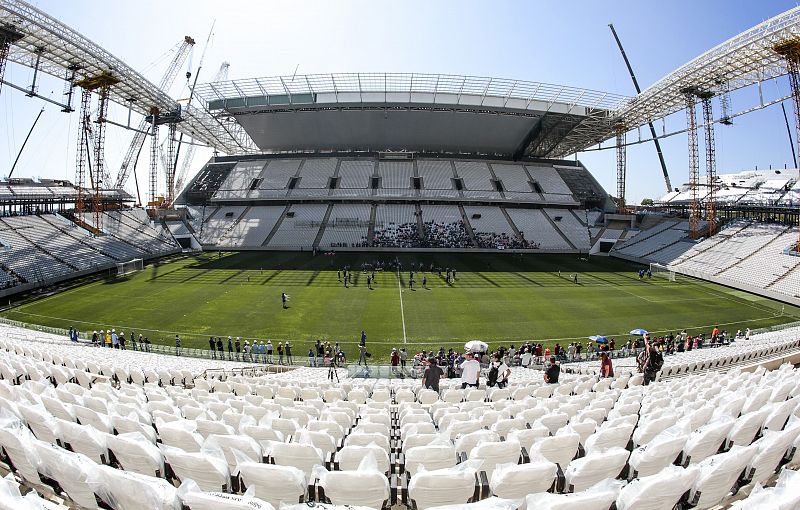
(402, 313)
(354, 342)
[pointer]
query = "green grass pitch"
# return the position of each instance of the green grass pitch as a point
(500, 298)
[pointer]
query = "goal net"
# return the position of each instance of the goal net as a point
(661, 271)
(131, 266)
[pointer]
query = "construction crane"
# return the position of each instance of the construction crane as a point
(650, 124)
(221, 75)
(143, 129)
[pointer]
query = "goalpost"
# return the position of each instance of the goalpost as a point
(131, 266)
(662, 271)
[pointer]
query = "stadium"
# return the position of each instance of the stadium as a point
(392, 290)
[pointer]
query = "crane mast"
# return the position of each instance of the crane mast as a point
(142, 131)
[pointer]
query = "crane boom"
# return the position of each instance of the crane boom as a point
(650, 124)
(222, 75)
(141, 132)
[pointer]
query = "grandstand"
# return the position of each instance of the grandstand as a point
(83, 429)
(348, 189)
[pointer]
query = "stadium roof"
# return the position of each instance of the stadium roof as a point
(60, 48)
(415, 112)
(743, 60)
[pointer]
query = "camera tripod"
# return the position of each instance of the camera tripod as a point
(332, 372)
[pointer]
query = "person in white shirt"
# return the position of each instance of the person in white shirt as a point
(470, 371)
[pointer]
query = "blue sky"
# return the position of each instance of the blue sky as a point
(566, 42)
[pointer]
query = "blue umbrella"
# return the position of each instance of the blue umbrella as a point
(600, 339)
(639, 332)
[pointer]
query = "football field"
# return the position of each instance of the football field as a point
(500, 298)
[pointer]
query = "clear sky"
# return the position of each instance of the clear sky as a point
(564, 42)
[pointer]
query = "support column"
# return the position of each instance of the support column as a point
(82, 155)
(621, 166)
(694, 164)
(791, 52)
(711, 163)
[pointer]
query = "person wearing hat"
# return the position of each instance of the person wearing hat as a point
(280, 353)
(122, 340)
(288, 348)
(470, 371)
(95, 338)
(246, 351)
(269, 351)
(238, 347)
(432, 374)
(230, 347)
(395, 360)
(114, 339)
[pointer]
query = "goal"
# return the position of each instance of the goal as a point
(131, 266)
(661, 271)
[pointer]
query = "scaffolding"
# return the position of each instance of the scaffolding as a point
(790, 50)
(101, 83)
(711, 162)
(153, 188)
(82, 156)
(170, 169)
(694, 163)
(8, 36)
(621, 166)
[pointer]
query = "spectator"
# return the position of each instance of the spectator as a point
(395, 360)
(177, 345)
(431, 376)
(552, 372)
(362, 348)
(498, 372)
(280, 353)
(212, 346)
(653, 363)
(230, 348)
(403, 358)
(238, 348)
(289, 360)
(470, 371)
(220, 348)
(606, 368)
